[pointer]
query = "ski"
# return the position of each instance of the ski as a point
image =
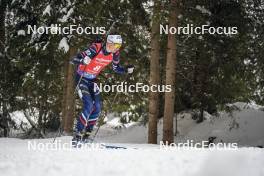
(92, 143)
(113, 146)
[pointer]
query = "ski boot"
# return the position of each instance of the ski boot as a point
(77, 140)
(86, 137)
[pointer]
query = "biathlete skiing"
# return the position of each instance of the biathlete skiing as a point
(90, 63)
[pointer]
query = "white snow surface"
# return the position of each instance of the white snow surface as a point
(47, 10)
(16, 159)
(64, 45)
(203, 10)
(21, 32)
(19, 117)
(66, 17)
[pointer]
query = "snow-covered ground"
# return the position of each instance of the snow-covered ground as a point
(244, 127)
(17, 160)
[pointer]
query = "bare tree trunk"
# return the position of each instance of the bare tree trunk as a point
(68, 105)
(4, 61)
(170, 77)
(154, 75)
(64, 94)
(3, 5)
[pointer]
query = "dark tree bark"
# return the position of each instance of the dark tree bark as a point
(170, 77)
(68, 105)
(154, 75)
(4, 63)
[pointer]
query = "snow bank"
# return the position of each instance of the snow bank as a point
(244, 126)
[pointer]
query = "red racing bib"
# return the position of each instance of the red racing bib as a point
(98, 63)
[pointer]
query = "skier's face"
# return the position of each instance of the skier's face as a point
(112, 47)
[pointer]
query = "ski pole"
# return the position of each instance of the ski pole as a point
(111, 105)
(76, 88)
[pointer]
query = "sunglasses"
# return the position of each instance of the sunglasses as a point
(117, 45)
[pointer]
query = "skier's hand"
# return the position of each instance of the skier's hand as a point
(130, 69)
(86, 60)
(75, 61)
